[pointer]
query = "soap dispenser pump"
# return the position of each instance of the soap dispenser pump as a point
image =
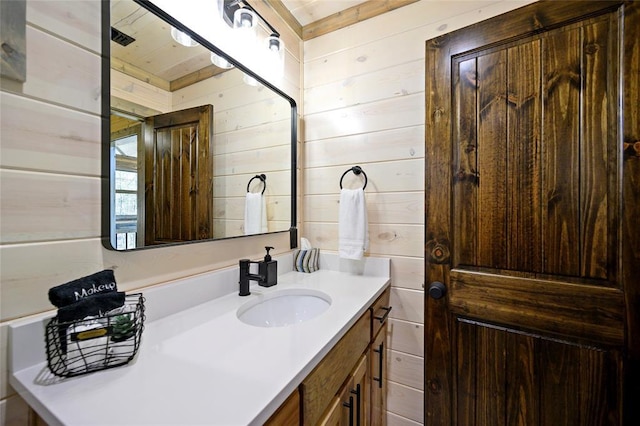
(268, 268)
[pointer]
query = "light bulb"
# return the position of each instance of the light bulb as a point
(250, 80)
(183, 38)
(244, 36)
(220, 62)
(245, 19)
(274, 57)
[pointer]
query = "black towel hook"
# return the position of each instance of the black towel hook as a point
(356, 171)
(262, 178)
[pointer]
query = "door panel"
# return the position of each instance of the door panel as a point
(173, 163)
(179, 176)
(528, 102)
(583, 313)
(504, 379)
(523, 189)
(492, 146)
(561, 167)
(524, 114)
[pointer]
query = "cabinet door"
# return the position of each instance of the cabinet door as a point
(378, 380)
(342, 410)
(360, 391)
(289, 412)
(350, 407)
(327, 379)
(334, 414)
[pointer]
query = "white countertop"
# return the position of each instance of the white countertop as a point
(202, 365)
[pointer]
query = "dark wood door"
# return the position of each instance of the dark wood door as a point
(179, 176)
(532, 199)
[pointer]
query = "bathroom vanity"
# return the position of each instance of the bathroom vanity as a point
(199, 363)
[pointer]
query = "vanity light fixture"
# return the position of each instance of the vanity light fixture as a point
(240, 31)
(266, 57)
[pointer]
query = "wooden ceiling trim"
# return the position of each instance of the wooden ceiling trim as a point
(139, 74)
(285, 15)
(128, 107)
(353, 15)
(196, 76)
(169, 86)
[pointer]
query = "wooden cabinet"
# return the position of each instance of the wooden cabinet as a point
(360, 390)
(350, 406)
(334, 415)
(321, 385)
(348, 386)
(289, 412)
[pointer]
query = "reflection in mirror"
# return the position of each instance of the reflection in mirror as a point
(187, 139)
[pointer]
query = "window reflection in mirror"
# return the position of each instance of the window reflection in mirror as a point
(187, 137)
(126, 136)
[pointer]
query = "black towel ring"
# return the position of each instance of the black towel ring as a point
(356, 171)
(262, 177)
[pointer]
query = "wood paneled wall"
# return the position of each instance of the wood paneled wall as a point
(246, 134)
(364, 105)
(249, 129)
(50, 178)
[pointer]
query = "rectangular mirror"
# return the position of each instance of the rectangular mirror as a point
(192, 151)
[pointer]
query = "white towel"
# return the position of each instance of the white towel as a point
(353, 226)
(255, 214)
(86, 355)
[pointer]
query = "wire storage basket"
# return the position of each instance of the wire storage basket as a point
(96, 343)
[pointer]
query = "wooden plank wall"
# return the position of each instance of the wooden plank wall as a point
(364, 105)
(247, 134)
(50, 178)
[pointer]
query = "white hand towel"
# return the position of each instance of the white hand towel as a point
(255, 214)
(353, 226)
(86, 355)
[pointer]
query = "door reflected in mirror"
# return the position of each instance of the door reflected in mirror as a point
(186, 139)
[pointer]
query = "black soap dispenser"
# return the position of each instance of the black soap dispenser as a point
(268, 269)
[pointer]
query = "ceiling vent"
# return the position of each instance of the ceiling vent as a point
(121, 38)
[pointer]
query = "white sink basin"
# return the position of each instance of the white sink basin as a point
(284, 307)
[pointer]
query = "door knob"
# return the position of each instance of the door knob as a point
(437, 290)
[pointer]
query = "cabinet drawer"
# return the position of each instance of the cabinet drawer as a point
(380, 312)
(323, 383)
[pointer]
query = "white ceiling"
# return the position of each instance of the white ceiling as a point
(308, 11)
